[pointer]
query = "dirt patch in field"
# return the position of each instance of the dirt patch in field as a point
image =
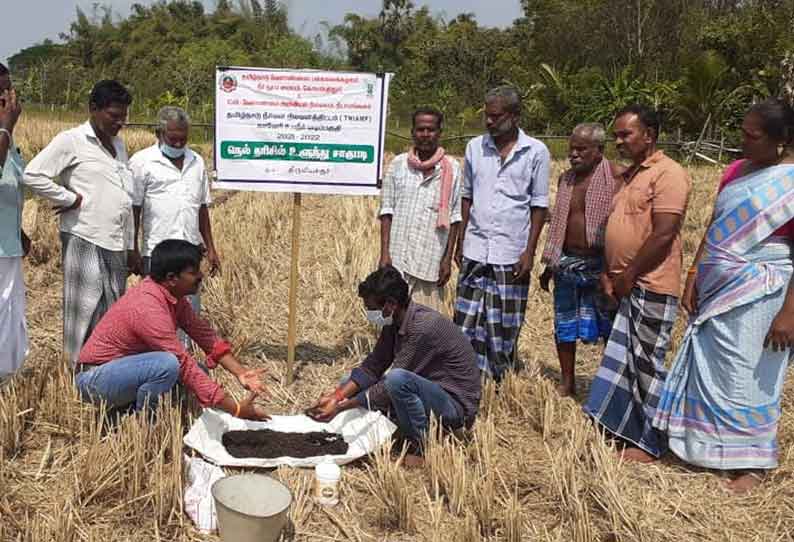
(268, 444)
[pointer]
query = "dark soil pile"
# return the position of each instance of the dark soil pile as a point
(268, 444)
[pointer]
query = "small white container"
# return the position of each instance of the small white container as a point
(326, 482)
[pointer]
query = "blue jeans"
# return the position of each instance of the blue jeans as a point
(140, 380)
(414, 398)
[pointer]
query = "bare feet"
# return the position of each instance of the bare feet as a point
(745, 481)
(631, 453)
(412, 461)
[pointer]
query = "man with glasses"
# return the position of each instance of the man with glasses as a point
(94, 200)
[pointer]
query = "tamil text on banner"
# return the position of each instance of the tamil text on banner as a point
(300, 130)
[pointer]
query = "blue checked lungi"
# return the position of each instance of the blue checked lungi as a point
(489, 309)
(580, 310)
(625, 392)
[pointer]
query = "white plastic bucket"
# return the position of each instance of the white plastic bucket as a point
(251, 507)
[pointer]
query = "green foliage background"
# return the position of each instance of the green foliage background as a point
(699, 61)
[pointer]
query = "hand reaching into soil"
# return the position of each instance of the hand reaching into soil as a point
(250, 411)
(326, 408)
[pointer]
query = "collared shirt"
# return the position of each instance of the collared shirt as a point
(416, 244)
(660, 185)
(85, 167)
(11, 202)
(429, 345)
(170, 197)
(502, 194)
(146, 319)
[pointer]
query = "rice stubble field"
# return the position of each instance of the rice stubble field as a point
(534, 468)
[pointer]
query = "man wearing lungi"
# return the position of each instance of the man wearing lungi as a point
(13, 242)
(574, 253)
(504, 200)
(643, 258)
(94, 200)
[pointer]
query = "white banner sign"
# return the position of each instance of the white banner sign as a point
(300, 130)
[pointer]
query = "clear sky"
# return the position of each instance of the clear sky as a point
(26, 22)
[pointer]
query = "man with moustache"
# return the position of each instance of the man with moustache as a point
(643, 274)
(574, 249)
(504, 201)
(420, 211)
(94, 200)
(133, 356)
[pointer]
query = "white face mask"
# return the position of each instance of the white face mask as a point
(376, 317)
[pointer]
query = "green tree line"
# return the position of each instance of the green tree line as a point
(700, 62)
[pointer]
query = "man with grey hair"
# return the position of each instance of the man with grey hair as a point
(172, 193)
(504, 199)
(574, 253)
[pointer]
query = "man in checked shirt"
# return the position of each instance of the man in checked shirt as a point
(422, 364)
(420, 211)
(134, 356)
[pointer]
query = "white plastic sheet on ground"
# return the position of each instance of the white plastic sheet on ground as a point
(199, 504)
(363, 430)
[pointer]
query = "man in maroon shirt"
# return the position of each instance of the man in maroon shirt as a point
(421, 366)
(134, 356)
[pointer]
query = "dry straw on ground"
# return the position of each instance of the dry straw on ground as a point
(533, 468)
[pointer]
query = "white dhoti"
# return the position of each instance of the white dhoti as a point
(13, 329)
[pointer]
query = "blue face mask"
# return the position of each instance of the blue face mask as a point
(172, 152)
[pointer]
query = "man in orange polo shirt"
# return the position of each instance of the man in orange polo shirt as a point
(643, 274)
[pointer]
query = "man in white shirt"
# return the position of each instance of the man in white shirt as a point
(172, 193)
(94, 200)
(420, 211)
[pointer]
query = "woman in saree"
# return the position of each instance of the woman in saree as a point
(721, 401)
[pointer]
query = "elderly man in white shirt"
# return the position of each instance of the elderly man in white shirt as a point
(172, 193)
(94, 200)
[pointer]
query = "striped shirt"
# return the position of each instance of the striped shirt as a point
(429, 345)
(145, 319)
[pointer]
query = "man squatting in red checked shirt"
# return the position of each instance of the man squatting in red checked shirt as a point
(134, 356)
